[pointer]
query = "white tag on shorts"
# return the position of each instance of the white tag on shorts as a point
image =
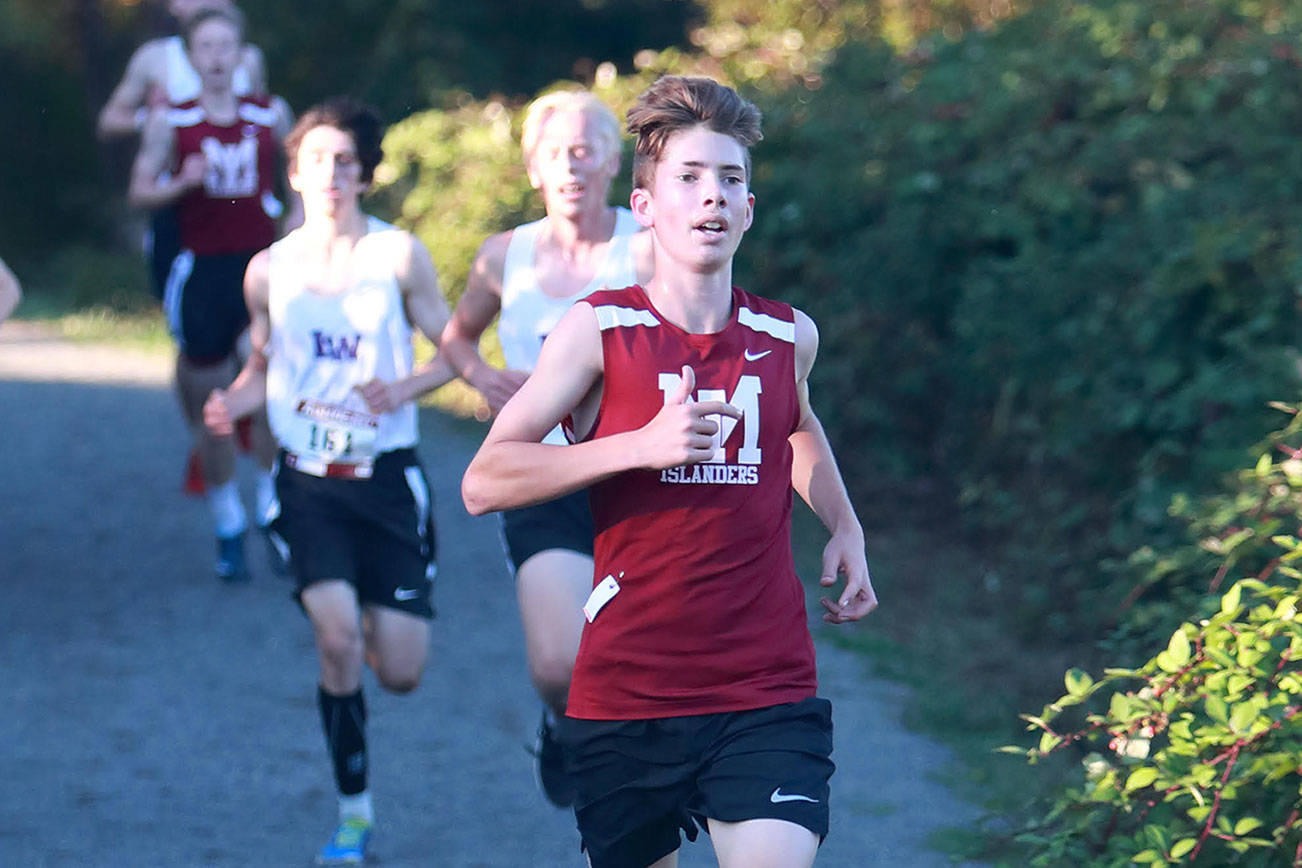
(600, 596)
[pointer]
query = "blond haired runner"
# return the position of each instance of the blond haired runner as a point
(531, 276)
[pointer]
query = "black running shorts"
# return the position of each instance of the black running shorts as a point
(564, 523)
(640, 782)
(204, 304)
(376, 534)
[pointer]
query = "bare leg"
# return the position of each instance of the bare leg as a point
(763, 844)
(194, 384)
(551, 587)
(336, 620)
(397, 645)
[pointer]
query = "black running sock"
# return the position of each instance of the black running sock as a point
(344, 721)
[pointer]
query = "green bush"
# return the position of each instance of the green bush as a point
(1195, 755)
(1055, 262)
(453, 178)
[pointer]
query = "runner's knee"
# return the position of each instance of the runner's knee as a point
(340, 646)
(401, 677)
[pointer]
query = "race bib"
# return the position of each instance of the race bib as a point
(337, 434)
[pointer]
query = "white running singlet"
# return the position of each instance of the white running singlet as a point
(323, 346)
(528, 314)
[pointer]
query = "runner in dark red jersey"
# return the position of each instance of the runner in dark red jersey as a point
(234, 211)
(217, 159)
(693, 701)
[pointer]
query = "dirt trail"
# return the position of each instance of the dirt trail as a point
(158, 718)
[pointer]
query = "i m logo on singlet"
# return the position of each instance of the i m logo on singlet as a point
(717, 471)
(232, 169)
(341, 348)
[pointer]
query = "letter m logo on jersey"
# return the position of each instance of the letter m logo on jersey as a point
(232, 169)
(745, 398)
(338, 347)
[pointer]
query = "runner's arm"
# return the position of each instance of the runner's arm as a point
(150, 187)
(10, 292)
(479, 304)
(428, 312)
(249, 391)
(513, 468)
(817, 480)
(126, 110)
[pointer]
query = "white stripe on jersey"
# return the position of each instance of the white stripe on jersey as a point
(611, 316)
(762, 322)
(186, 117)
(256, 114)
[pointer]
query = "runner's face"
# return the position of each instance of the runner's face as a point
(699, 204)
(570, 164)
(214, 53)
(327, 172)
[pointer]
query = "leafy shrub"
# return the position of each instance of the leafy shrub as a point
(1195, 755)
(1055, 262)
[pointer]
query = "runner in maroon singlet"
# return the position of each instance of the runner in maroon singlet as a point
(216, 158)
(693, 701)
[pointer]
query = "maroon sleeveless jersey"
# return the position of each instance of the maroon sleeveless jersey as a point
(710, 616)
(232, 211)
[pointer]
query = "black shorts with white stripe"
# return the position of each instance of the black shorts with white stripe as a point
(204, 304)
(377, 533)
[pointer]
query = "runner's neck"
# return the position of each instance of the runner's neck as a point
(573, 240)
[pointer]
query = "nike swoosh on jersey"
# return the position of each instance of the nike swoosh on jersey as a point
(755, 357)
(778, 797)
(404, 594)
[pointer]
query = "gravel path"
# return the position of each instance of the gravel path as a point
(158, 718)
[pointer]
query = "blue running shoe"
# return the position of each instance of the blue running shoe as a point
(348, 844)
(231, 567)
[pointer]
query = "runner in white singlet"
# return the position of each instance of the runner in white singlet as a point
(333, 306)
(532, 275)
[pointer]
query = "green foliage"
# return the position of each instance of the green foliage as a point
(1195, 754)
(453, 178)
(1055, 262)
(86, 278)
(406, 55)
